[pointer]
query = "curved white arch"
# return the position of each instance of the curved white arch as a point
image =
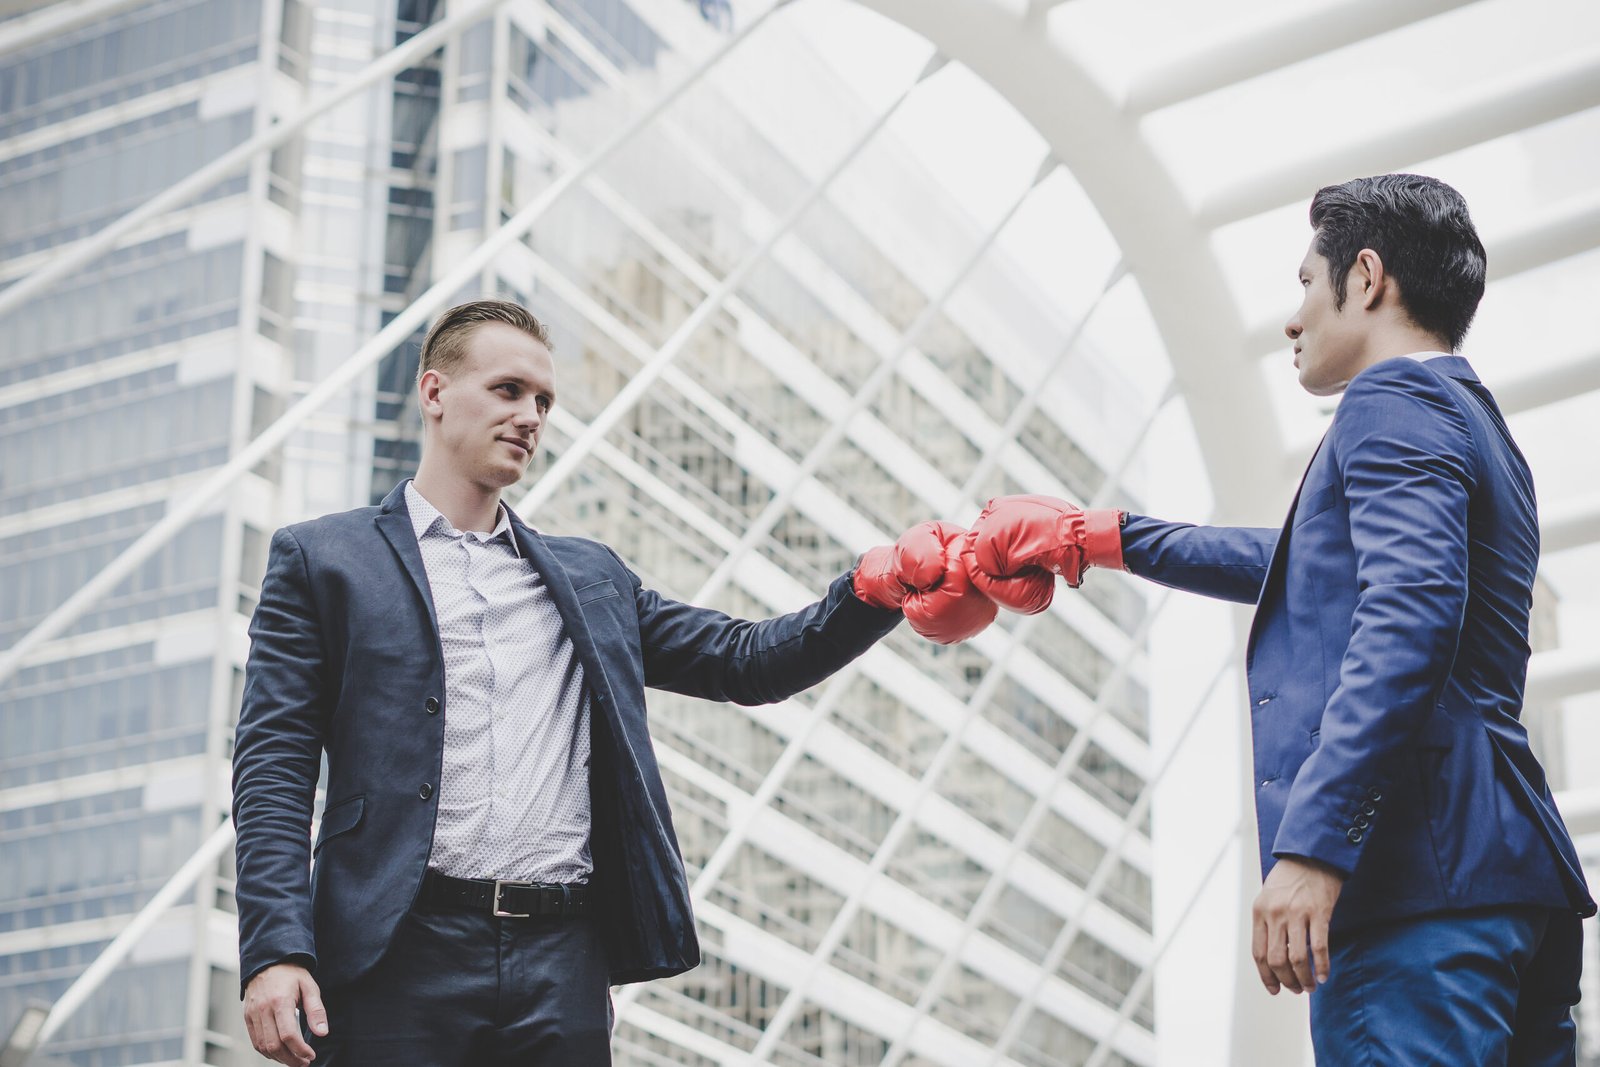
(1165, 247)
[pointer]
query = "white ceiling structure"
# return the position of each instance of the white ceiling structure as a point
(1199, 132)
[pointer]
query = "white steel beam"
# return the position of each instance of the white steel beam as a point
(1141, 986)
(1288, 39)
(1561, 673)
(947, 751)
(125, 942)
(1136, 194)
(840, 683)
(905, 821)
(1580, 810)
(384, 342)
(1568, 378)
(1491, 108)
(998, 881)
(868, 391)
(641, 383)
(1569, 229)
(86, 251)
(52, 20)
(1570, 524)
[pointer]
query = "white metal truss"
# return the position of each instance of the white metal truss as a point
(127, 940)
(1166, 244)
(640, 383)
(76, 256)
(795, 749)
(366, 357)
(222, 479)
(1141, 985)
(1289, 37)
(1496, 107)
(1564, 380)
(54, 20)
(1538, 240)
(1166, 240)
(952, 744)
(1098, 879)
(1102, 874)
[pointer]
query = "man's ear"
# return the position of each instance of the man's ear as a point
(1368, 281)
(428, 393)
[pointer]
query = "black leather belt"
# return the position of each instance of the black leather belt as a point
(503, 899)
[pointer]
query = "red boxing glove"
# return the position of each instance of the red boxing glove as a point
(1016, 533)
(941, 605)
(877, 579)
(1028, 590)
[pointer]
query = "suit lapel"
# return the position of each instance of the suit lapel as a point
(394, 522)
(1280, 551)
(565, 597)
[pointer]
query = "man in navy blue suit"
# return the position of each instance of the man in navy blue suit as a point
(1417, 876)
(496, 848)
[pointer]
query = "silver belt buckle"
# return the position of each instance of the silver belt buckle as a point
(499, 886)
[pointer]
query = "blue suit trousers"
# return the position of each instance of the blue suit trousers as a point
(1491, 987)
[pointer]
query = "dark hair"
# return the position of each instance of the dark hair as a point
(446, 343)
(1421, 230)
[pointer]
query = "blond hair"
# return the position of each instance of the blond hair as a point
(446, 344)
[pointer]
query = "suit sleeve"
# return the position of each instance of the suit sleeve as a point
(1405, 456)
(276, 759)
(704, 653)
(1225, 562)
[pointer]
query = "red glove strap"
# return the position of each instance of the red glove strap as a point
(1102, 538)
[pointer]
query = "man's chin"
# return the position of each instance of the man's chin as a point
(505, 475)
(1316, 386)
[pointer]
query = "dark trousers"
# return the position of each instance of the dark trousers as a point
(464, 989)
(1487, 988)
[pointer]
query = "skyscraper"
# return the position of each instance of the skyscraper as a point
(918, 878)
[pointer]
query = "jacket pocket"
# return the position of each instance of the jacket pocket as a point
(339, 819)
(596, 591)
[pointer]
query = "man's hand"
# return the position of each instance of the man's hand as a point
(1291, 913)
(942, 605)
(1018, 539)
(269, 1003)
(877, 580)
(922, 575)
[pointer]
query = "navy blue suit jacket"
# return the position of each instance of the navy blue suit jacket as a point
(345, 659)
(1389, 651)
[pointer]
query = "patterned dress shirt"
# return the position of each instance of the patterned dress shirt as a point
(514, 796)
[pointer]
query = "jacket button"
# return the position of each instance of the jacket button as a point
(426, 791)
(1263, 702)
(1368, 809)
(431, 706)
(1362, 821)
(1355, 835)
(1374, 795)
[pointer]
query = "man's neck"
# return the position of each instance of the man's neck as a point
(1402, 341)
(467, 507)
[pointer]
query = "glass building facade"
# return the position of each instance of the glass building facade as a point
(921, 877)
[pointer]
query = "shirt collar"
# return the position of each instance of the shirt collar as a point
(425, 519)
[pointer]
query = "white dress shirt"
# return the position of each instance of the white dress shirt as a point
(514, 795)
